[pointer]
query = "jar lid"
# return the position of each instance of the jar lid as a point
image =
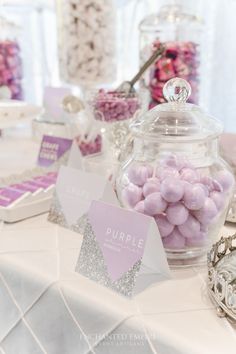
(170, 14)
(176, 119)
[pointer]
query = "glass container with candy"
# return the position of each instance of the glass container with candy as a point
(10, 59)
(180, 33)
(175, 173)
(87, 45)
(114, 111)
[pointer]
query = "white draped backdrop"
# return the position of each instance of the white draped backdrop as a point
(218, 81)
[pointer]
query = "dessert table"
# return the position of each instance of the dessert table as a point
(45, 307)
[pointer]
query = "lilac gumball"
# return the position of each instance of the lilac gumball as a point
(132, 194)
(207, 182)
(218, 199)
(165, 172)
(216, 186)
(205, 188)
(194, 196)
(139, 174)
(139, 207)
(151, 187)
(189, 175)
(174, 241)
(190, 228)
(207, 213)
(150, 170)
(197, 241)
(177, 214)
(172, 189)
(211, 184)
(154, 204)
(226, 179)
(164, 226)
(176, 162)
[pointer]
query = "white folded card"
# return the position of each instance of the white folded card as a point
(74, 192)
(121, 249)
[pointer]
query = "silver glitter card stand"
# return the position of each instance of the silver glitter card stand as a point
(222, 276)
(91, 264)
(56, 216)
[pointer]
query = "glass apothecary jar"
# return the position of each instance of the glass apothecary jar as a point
(181, 35)
(176, 175)
(10, 59)
(87, 41)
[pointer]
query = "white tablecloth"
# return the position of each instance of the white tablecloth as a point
(45, 307)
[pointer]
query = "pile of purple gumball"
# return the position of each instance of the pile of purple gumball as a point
(183, 203)
(113, 106)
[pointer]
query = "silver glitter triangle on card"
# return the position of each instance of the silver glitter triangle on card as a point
(91, 264)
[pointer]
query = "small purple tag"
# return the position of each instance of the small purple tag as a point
(121, 235)
(52, 149)
(9, 196)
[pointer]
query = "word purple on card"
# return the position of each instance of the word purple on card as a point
(52, 149)
(121, 249)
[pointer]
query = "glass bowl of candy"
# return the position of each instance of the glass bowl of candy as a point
(11, 71)
(181, 57)
(175, 174)
(114, 111)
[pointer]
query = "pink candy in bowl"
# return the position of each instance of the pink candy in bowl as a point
(112, 106)
(176, 175)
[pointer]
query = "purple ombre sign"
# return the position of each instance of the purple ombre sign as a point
(121, 235)
(52, 149)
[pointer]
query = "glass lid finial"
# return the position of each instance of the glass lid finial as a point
(177, 90)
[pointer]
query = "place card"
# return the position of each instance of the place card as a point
(121, 249)
(52, 150)
(75, 190)
(53, 98)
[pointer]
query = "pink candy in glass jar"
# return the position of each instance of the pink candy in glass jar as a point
(180, 33)
(176, 175)
(114, 111)
(112, 106)
(10, 60)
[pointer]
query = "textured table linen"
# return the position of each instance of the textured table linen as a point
(45, 307)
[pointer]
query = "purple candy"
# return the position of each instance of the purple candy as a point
(176, 162)
(172, 189)
(226, 180)
(139, 174)
(198, 240)
(139, 207)
(177, 214)
(164, 172)
(151, 187)
(154, 204)
(189, 175)
(132, 194)
(190, 228)
(164, 226)
(211, 184)
(174, 241)
(207, 213)
(194, 196)
(218, 199)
